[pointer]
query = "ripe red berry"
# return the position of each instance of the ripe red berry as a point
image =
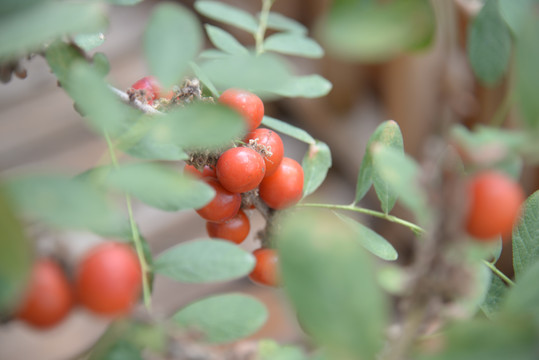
(152, 87)
(284, 187)
(266, 270)
(494, 206)
(206, 172)
(247, 104)
(272, 141)
(224, 205)
(234, 229)
(108, 279)
(240, 169)
(49, 297)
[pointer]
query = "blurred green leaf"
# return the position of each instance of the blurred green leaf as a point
(7, 7)
(100, 106)
(293, 44)
(122, 350)
(331, 285)
(123, 2)
(308, 86)
(30, 28)
(212, 54)
(227, 14)
(63, 202)
(526, 236)
(204, 79)
(280, 22)
(401, 174)
(88, 42)
(387, 133)
(288, 129)
(160, 186)
(101, 64)
(495, 296)
(173, 38)
(489, 44)
(370, 240)
(265, 72)
(223, 318)
(515, 12)
(375, 32)
(315, 164)
(15, 257)
(199, 125)
(62, 57)
(204, 261)
(270, 350)
(527, 78)
(224, 41)
(524, 295)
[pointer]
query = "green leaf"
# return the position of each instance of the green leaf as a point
(515, 13)
(173, 38)
(199, 125)
(524, 296)
(28, 30)
(160, 186)
(527, 78)
(293, 44)
(88, 42)
(287, 129)
(526, 236)
(308, 86)
(122, 350)
(204, 261)
(223, 318)
(15, 257)
(489, 44)
(224, 41)
(315, 164)
(370, 240)
(123, 2)
(495, 296)
(101, 64)
(387, 133)
(204, 79)
(280, 22)
(331, 285)
(62, 57)
(400, 173)
(101, 107)
(271, 350)
(265, 72)
(227, 14)
(7, 7)
(63, 202)
(377, 32)
(212, 54)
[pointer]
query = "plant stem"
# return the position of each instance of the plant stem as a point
(134, 233)
(500, 274)
(262, 25)
(416, 229)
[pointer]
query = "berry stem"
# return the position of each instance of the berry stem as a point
(262, 25)
(500, 274)
(135, 235)
(416, 229)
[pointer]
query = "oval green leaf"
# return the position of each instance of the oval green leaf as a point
(496, 294)
(316, 164)
(293, 44)
(308, 86)
(524, 296)
(88, 42)
(227, 14)
(515, 13)
(526, 236)
(280, 22)
(204, 261)
(288, 129)
(223, 318)
(224, 41)
(370, 240)
(173, 37)
(160, 186)
(489, 44)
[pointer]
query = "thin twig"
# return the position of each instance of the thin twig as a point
(135, 103)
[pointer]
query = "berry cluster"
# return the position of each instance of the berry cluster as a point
(106, 281)
(255, 168)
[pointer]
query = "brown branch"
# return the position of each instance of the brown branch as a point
(145, 108)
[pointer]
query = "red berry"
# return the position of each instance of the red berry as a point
(234, 229)
(240, 169)
(152, 87)
(494, 207)
(247, 104)
(272, 141)
(266, 270)
(206, 172)
(108, 279)
(224, 205)
(49, 297)
(284, 188)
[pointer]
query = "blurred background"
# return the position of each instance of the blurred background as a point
(423, 90)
